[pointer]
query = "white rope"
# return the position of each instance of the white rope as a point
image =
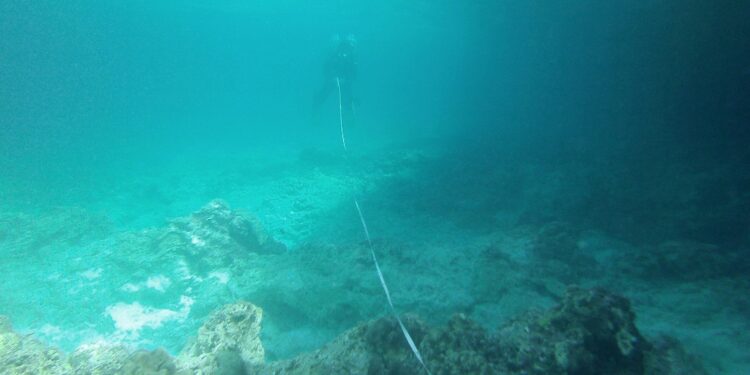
(341, 115)
(409, 340)
(387, 293)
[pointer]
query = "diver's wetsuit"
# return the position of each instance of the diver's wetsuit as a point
(339, 65)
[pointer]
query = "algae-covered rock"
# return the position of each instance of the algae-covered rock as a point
(24, 355)
(228, 340)
(98, 358)
(461, 347)
(113, 359)
(376, 347)
(590, 332)
(157, 362)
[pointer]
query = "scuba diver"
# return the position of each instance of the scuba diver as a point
(339, 72)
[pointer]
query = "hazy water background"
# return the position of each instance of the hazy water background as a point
(99, 83)
(634, 95)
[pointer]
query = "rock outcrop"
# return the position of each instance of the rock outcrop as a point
(107, 359)
(377, 347)
(22, 354)
(217, 226)
(590, 332)
(227, 343)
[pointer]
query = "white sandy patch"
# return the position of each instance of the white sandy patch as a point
(134, 316)
(197, 240)
(222, 277)
(49, 330)
(158, 282)
(92, 274)
(130, 287)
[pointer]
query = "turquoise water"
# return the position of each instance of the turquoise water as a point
(599, 144)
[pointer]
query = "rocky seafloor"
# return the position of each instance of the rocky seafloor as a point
(591, 331)
(107, 288)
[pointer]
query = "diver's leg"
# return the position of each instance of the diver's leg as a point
(348, 104)
(320, 99)
(322, 95)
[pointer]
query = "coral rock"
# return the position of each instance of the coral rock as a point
(590, 332)
(377, 347)
(216, 224)
(22, 354)
(157, 362)
(229, 339)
